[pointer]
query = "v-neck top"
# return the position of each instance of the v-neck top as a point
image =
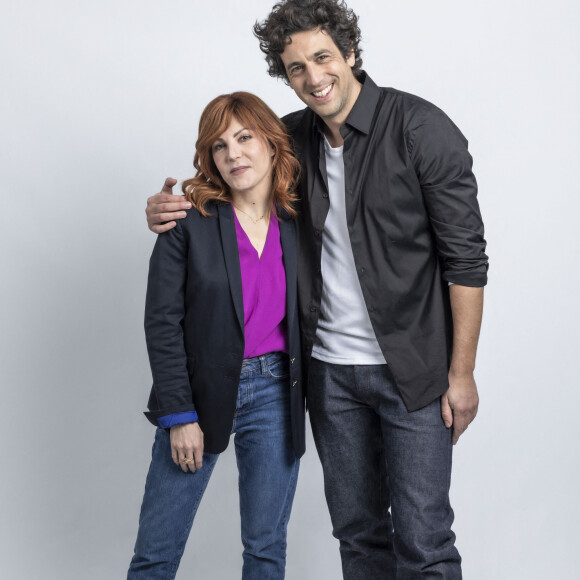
(264, 292)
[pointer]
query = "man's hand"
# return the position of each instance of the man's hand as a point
(164, 207)
(187, 446)
(459, 404)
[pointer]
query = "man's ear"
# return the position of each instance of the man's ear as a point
(350, 59)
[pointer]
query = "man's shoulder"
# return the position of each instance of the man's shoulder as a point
(298, 120)
(299, 126)
(295, 117)
(405, 97)
(410, 105)
(418, 114)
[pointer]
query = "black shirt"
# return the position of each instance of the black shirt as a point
(414, 225)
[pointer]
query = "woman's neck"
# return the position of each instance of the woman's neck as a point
(254, 207)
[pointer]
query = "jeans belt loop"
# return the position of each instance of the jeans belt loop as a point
(263, 364)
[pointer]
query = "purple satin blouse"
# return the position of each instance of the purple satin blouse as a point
(264, 292)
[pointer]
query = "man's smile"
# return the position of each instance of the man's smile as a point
(321, 94)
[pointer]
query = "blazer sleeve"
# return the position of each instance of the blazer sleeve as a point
(443, 165)
(164, 317)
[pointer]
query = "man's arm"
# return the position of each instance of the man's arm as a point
(443, 165)
(164, 208)
(459, 403)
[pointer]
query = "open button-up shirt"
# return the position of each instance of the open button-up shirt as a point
(414, 226)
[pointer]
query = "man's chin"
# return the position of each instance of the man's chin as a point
(324, 109)
(326, 113)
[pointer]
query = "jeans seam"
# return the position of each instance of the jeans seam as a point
(289, 501)
(190, 521)
(285, 516)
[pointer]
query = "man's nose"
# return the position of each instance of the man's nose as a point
(314, 76)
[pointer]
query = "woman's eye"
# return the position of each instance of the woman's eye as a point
(245, 137)
(217, 147)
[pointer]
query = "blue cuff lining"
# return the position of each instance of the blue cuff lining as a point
(169, 421)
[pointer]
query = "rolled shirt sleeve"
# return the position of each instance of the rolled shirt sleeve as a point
(169, 421)
(443, 165)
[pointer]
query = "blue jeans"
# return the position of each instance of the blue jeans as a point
(268, 470)
(386, 475)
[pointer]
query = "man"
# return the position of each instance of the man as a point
(391, 275)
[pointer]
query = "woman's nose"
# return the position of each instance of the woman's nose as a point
(234, 151)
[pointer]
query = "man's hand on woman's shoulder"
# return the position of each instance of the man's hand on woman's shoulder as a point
(164, 208)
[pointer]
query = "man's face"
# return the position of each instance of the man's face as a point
(320, 76)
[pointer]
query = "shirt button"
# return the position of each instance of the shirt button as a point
(313, 309)
(317, 233)
(362, 270)
(292, 360)
(294, 383)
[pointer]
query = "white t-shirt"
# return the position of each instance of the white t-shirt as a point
(344, 334)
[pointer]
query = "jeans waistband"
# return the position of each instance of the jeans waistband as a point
(262, 362)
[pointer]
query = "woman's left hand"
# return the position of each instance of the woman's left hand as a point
(187, 446)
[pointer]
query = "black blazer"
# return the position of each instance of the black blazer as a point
(194, 324)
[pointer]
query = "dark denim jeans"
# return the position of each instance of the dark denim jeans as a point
(268, 470)
(386, 475)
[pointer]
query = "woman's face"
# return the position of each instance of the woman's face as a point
(244, 160)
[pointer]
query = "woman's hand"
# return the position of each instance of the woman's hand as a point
(187, 446)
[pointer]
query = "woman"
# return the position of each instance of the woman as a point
(222, 333)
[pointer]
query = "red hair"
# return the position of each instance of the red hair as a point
(254, 114)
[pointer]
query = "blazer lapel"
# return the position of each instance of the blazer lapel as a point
(288, 241)
(232, 258)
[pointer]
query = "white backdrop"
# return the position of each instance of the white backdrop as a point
(100, 102)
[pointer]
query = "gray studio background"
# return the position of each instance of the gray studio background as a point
(99, 103)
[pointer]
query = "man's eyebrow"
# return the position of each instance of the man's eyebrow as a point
(314, 56)
(291, 64)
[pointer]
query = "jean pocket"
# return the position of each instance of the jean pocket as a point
(427, 416)
(279, 369)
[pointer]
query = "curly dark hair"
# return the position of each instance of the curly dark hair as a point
(291, 16)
